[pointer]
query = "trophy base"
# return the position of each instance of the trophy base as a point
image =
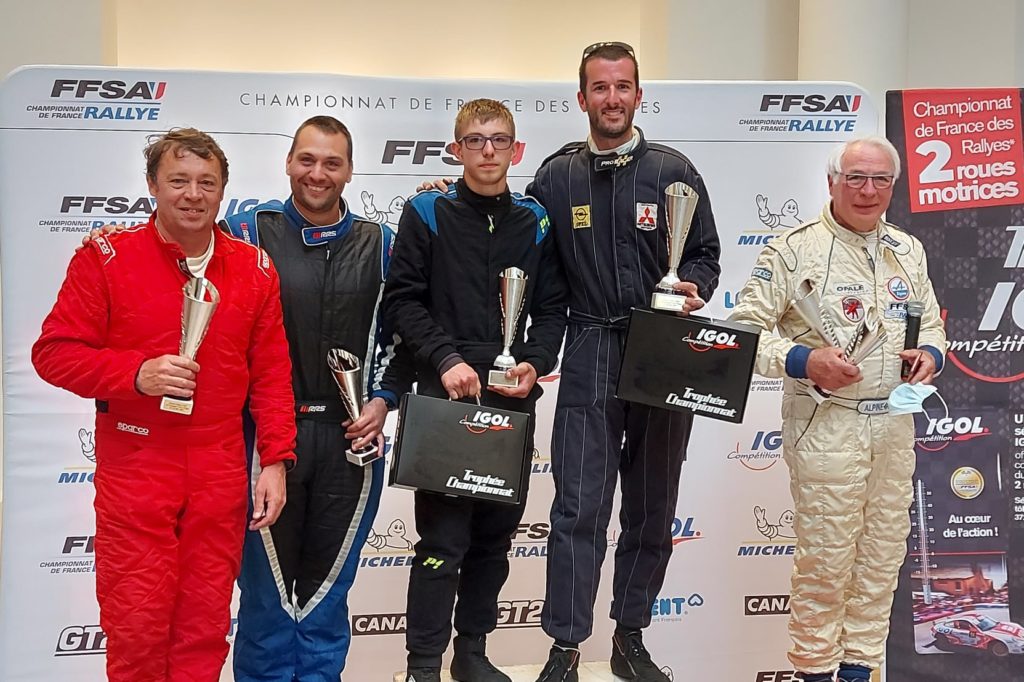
(671, 303)
(496, 377)
(363, 457)
(177, 405)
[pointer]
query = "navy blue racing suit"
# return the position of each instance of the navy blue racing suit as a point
(608, 218)
(293, 617)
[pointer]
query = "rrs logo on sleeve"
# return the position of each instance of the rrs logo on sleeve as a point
(646, 216)
(580, 217)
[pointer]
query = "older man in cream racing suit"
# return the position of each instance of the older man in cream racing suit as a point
(850, 462)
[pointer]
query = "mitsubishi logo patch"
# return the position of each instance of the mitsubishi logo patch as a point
(646, 216)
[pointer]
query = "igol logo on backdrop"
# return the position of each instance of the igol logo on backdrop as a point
(777, 532)
(113, 99)
(518, 613)
(675, 608)
(941, 432)
(994, 351)
(764, 451)
(683, 530)
(81, 640)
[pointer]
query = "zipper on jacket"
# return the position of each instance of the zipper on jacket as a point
(490, 221)
(871, 261)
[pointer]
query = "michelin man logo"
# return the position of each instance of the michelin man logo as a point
(88, 443)
(393, 538)
(782, 529)
(786, 217)
(389, 216)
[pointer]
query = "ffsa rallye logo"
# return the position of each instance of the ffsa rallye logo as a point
(113, 99)
(811, 113)
(484, 421)
(810, 104)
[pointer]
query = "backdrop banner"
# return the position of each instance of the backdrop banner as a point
(960, 600)
(71, 143)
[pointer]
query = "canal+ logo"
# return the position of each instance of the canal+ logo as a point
(141, 91)
(810, 104)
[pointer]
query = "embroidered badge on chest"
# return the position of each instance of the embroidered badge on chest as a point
(646, 216)
(898, 288)
(580, 217)
(853, 309)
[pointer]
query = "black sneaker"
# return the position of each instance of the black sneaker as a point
(470, 663)
(423, 675)
(561, 666)
(631, 661)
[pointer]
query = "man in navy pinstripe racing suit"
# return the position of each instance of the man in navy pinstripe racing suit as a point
(293, 618)
(606, 200)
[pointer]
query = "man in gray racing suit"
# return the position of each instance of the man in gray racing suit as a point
(851, 463)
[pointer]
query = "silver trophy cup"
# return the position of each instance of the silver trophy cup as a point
(201, 299)
(866, 339)
(513, 290)
(348, 374)
(680, 203)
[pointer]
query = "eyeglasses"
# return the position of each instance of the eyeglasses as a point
(587, 51)
(856, 180)
(477, 142)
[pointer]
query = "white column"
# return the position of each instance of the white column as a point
(732, 39)
(57, 32)
(864, 42)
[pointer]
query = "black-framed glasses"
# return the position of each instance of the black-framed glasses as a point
(500, 142)
(857, 180)
(591, 49)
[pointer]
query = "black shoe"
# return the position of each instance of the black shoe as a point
(561, 666)
(423, 675)
(631, 661)
(470, 663)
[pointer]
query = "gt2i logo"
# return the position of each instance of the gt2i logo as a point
(712, 339)
(484, 421)
(941, 432)
(975, 356)
(81, 640)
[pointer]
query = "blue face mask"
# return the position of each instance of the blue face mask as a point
(909, 398)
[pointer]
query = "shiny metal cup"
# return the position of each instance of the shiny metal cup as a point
(513, 293)
(866, 339)
(201, 300)
(347, 371)
(808, 304)
(680, 204)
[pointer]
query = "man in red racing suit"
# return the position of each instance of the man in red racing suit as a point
(171, 489)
